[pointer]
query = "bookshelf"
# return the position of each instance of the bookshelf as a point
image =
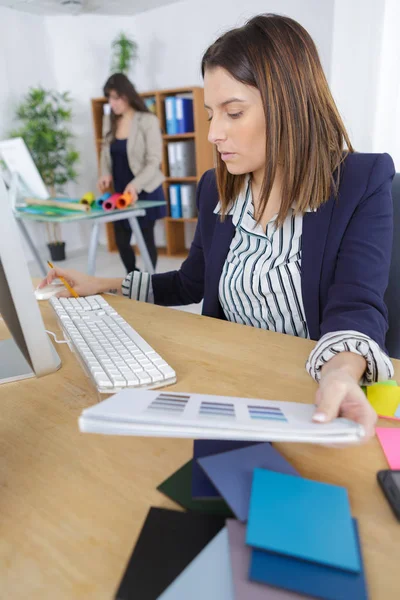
(174, 228)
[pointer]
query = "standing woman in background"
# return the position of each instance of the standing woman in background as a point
(130, 161)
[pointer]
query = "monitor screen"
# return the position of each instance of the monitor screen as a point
(30, 351)
(9, 314)
(17, 159)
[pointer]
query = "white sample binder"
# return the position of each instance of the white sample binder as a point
(175, 414)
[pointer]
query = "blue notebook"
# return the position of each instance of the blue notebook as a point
(170, 115)
(175, 200)
(201, 485)
(184, 115)
(309, 578)
(240, 555)
(208, 576)
(302, 518)
(232, 473)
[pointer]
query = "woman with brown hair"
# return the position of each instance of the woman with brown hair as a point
(130, 162)
(295, 228)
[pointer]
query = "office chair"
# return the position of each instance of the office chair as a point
(392, 296)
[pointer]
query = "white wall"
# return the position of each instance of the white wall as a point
(356, 63)
(24, 62)
(387, 116)
(171, 42)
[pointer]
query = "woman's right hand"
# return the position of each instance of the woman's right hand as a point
(104, 183)
(84, 285)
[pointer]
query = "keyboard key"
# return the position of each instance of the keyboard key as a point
(167, 371)
(103, 381)
(143, 377)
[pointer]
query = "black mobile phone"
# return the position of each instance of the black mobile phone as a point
(389, 481)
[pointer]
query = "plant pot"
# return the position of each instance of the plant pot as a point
(57, 251)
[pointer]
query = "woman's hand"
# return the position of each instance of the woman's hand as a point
(130, 189)
(84, 285)
(339, 395)
(104, 183)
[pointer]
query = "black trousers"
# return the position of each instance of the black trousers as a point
(123, 232)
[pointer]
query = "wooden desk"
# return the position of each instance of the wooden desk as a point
(72, 504)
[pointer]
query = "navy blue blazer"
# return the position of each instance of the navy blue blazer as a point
(346, 251)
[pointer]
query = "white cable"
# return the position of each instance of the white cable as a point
(50, 333)
(55, 338)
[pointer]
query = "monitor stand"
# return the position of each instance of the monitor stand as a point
(13, 366)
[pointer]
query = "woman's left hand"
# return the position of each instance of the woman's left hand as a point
(130, 189)
(339, 395)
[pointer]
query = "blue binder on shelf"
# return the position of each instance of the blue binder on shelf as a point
(170, 115)
(184, 115)
(175, 200)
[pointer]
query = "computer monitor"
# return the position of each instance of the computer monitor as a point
(29, 352)
(17, 160)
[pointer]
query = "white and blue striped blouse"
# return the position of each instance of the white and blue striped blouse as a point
(260, 285)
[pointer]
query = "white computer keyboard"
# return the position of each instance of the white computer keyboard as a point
(113, 354)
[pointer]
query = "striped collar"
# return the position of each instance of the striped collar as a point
(242, 210)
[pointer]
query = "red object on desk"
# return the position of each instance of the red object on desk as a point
(111, 202)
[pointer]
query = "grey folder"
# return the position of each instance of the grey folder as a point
(188, 200)
(185, 157)
(232, 473)
(244, 589)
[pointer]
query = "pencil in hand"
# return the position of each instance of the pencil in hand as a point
(65, 283)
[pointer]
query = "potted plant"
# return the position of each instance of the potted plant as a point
(45, 116)
(124, 51)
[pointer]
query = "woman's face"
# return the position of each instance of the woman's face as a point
(119, 104)
(237, 121)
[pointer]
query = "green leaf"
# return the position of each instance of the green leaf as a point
(44, 119)
(124, 50)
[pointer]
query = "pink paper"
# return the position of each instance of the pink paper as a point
(390, 442)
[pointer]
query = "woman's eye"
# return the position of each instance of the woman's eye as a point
(235, 115)
(209, 118)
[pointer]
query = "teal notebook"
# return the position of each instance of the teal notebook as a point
(302, 518)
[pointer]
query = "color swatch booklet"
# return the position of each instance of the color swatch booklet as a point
(173, 414)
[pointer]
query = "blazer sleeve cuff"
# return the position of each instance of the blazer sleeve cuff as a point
(379, 365)
(138, 185)
(138, 286)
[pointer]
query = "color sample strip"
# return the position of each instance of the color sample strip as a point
(266, 412)
(169, 402)
(219, 409)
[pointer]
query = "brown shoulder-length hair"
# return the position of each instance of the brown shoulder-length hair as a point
(121, 85)
(305, 132)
